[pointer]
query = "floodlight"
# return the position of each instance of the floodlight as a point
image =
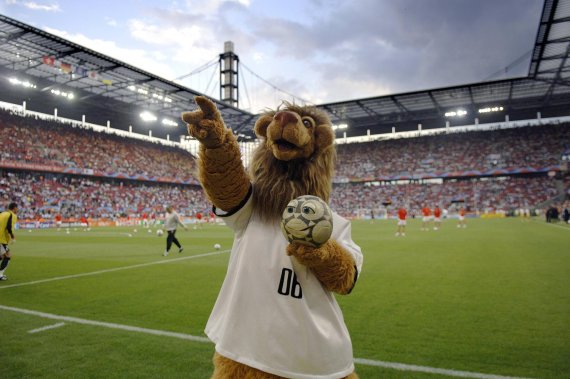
(168, 122)
(16, 81)
(456, 113)
(147, 116)
(67, 95)
(339, 126)
(496, 108)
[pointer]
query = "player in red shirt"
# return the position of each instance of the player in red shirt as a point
(436, 218)
(402, 213)
(426, 213)
(58, 221)
(84, 222)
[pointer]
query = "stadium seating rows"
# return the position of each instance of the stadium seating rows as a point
(50, 146)
(483, 151)
(55, 147)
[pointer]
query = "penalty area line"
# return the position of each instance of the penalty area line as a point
(113, 269)
(359, 361)
(59, 324)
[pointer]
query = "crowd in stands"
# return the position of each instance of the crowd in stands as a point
(45, 195)
(54, 145)
(516, 148)
(50, 144)
(504, 193)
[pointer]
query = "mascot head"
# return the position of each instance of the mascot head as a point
(296, 157)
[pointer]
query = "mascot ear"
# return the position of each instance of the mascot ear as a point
(261, 126)
(324, 136)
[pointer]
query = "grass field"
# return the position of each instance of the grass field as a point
(488, 301)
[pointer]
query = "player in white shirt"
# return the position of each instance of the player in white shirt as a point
(171, 222)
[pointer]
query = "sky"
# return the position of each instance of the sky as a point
(315, 51)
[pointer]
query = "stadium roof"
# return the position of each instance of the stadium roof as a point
(546, 89)
(55, 63)
(110, 89)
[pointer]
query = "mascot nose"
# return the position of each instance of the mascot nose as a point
(285, 117)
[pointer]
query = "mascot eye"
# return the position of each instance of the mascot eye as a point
(308, 210)
(312, 210)
(290, 209)
(308, 122)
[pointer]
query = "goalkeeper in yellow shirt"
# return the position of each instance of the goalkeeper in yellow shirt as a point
(8, 221)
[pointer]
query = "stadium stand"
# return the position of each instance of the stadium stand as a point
(468, 154)
(43, 195)
(44, 145)
(480, 196)
(54, 168)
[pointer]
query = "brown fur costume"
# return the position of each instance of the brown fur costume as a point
(295, 157)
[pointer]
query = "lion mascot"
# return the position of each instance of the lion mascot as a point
(276, 315)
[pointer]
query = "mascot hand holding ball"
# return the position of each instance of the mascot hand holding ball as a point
(275, 315)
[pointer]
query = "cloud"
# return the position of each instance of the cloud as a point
(332, 50)
(111, 22)
(406, 45)
(147, 60)
(39, 7)
(210, 7)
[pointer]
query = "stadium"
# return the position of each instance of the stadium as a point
(91, 295)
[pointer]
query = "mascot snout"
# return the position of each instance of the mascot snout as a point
(289, 137)
(286, 117)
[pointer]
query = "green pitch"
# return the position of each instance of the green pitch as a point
(492, 299)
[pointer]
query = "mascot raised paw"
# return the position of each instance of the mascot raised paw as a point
(276, 315)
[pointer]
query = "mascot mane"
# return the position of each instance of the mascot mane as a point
(277, 181)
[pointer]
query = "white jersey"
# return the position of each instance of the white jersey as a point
(172, 220)
(272, 313)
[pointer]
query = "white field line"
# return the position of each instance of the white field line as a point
(46, 328)
(360, 361)
(431, 370)
(556, 225)
(112, 269)
(106, 324)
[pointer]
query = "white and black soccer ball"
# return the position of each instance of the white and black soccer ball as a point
(217, 246)
(307, 220)
(159, 232)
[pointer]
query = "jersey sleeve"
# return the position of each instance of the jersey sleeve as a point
(238, 218)
(342, 233)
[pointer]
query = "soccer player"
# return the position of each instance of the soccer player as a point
(426, 213)
(58, 219)
(402, 213)
(171, 222)
(198, 220)
(8, 221)
(461, 223)
(436, 218)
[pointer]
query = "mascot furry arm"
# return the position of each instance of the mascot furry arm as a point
(221, 171)
(299, 146)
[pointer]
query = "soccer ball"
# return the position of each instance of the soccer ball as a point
(307, 220)
(159, 232)
(217, 246)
